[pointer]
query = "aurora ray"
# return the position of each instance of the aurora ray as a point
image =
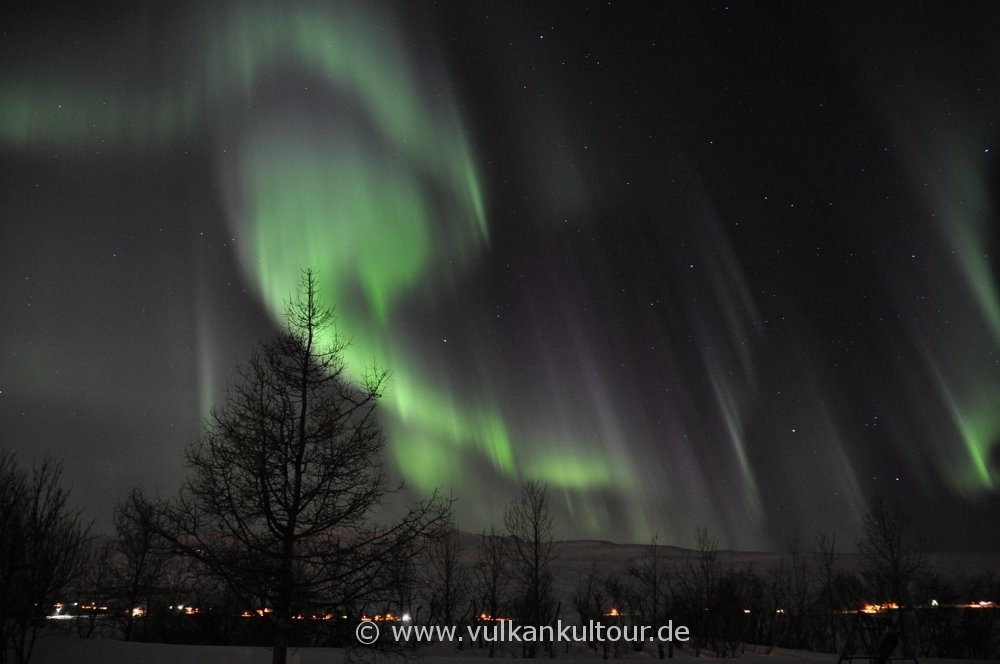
(733, 289)
(369, 179)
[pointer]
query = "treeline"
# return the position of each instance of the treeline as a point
(137, 585)
(804, 600)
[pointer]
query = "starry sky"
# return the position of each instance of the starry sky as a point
(690, 265)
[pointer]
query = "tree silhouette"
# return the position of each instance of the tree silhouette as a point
(529, 525)
(139, 563)
(284, 480)
(447, 578)
(492, 572)
(43, 545)
(653, 577)
(892, 560)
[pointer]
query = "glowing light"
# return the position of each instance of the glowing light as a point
(879, 608)
(92, 606)
(382, 617)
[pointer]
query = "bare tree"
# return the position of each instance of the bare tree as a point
(827, 546)
(775, 599)
(140, 559)
(700, 581)
(799, 592)
(617, 591)
(402, 571)
(652, 575)
(448, 578)
(892, 559)
(588, 598)
(42, 550)
(529, 524)
(94, 585)
(286, 476)
(492, 572)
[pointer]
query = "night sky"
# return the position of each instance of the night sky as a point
(713, 265)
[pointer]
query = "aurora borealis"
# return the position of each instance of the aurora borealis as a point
(689, 265)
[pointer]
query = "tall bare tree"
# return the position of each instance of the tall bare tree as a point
(448, 578)
(652, 576)
(140, 558)
(94, 585)
(43, 545)
(285, 478)
(588, 598)
(826, 543)
(700, 582)
(892, 558)
(492, 572)
(529, 525)
(799, 593)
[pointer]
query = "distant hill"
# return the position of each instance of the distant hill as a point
(574, 558)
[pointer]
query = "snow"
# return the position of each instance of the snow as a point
(55, 647)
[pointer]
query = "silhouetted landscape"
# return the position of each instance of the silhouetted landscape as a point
(367, 329)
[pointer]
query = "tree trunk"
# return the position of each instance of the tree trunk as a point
(279, 637)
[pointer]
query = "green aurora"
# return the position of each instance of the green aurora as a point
(380, 195)
(340, 144)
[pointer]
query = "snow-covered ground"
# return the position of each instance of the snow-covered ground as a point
(56, 648)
